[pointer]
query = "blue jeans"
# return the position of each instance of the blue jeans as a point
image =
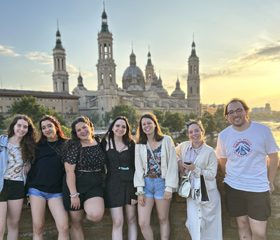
(38, 193)
(154, 187)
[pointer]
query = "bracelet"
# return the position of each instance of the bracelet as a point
(139, 193)
(74, 195)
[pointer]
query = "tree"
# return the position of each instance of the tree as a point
(125, 110)
(222, 122)
(192, 115)
(174, 121)
(159, 115)
(209, 123)
(30, 107)
(95, 119)
(2, 123)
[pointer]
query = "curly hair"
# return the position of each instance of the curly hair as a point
(127, 138)
(141, 136)
(243, 103)
(28, 141)
(57, 125)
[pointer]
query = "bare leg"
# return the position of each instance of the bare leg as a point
(258, 229)
(60, 216)
(117, 217)
(244, 231)
(144, 215)
(38, 208)
(3, 215)
(163, 206)
(94, 208)
(76, 230)
(14, 212)
(130, 211)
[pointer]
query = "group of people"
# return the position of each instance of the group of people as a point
(66, 174)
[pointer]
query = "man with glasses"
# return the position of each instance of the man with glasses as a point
(242, 149)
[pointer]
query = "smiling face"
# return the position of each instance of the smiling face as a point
(83, 131)
(236, 114)
(119, 128)
(195, 133)
(21, 128)
(48, 130)
(148, 126)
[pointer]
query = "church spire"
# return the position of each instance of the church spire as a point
(104, 25)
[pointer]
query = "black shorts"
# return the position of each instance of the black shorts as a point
(254, 204)
(12, 190)
(88, 184)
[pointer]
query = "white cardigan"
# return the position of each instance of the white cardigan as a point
(206, 163)
(169, 166)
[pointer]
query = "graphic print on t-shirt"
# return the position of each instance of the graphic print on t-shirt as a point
(242, 147)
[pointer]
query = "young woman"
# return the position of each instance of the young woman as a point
(204, 217)
(156, 175)
(119, 193)
(82, 185)
(45, 179)
(16, 154)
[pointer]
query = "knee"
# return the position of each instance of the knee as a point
(243, 224)
(13, 224)
(117, 223)
(63, 229)
(38, 228)
(76, 223)
(162, 220)
(143, 224)
(258, 234)
(94, 217)
(131, 220)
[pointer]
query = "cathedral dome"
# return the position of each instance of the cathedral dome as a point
(131, 71)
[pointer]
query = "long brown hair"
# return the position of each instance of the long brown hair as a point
(28, 141)
(126, 137)
(57, 125)
(141, 136)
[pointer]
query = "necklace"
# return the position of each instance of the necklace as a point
(52, 147)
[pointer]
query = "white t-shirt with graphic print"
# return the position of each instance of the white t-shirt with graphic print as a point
(246, 151)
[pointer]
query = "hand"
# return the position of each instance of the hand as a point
(167, 195)
(26, 170)
(105, 169)
(142, 200)
(189, 167)
(133, 202)
(272, 188)
(75, 203)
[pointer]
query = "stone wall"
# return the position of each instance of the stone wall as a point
(102, 230)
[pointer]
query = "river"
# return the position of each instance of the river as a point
(273, 125)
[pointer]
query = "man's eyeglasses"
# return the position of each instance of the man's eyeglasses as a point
(237, 111)
(193, 122)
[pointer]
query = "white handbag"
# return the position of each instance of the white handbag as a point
(185, 186)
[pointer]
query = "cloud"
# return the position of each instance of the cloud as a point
(40, 57)
(7, 51)
(268, 53)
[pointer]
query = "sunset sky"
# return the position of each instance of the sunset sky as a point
(238, 43)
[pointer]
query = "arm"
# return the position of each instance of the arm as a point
(172, 167)
(223, 162)
(139, 169)
(272, 169)
(179, 158)
(210, 171)
(71, 183)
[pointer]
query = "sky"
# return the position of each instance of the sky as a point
(237, 42)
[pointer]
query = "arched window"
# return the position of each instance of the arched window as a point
(191, 90)
(190, 69)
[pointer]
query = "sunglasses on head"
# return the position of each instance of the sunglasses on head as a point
(193, 122)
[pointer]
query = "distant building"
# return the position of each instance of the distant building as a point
(145, 90)
(208, 108)
(265, 110)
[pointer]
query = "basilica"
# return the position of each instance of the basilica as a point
(144, 91)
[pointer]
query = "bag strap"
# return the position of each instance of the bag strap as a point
(152, 153)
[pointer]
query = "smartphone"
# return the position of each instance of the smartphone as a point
(188, 163)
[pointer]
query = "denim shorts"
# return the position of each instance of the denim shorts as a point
(38, 193)
(154, 187)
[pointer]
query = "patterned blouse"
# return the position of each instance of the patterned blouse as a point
(15, 163)
(153, 168)
(92, 157)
